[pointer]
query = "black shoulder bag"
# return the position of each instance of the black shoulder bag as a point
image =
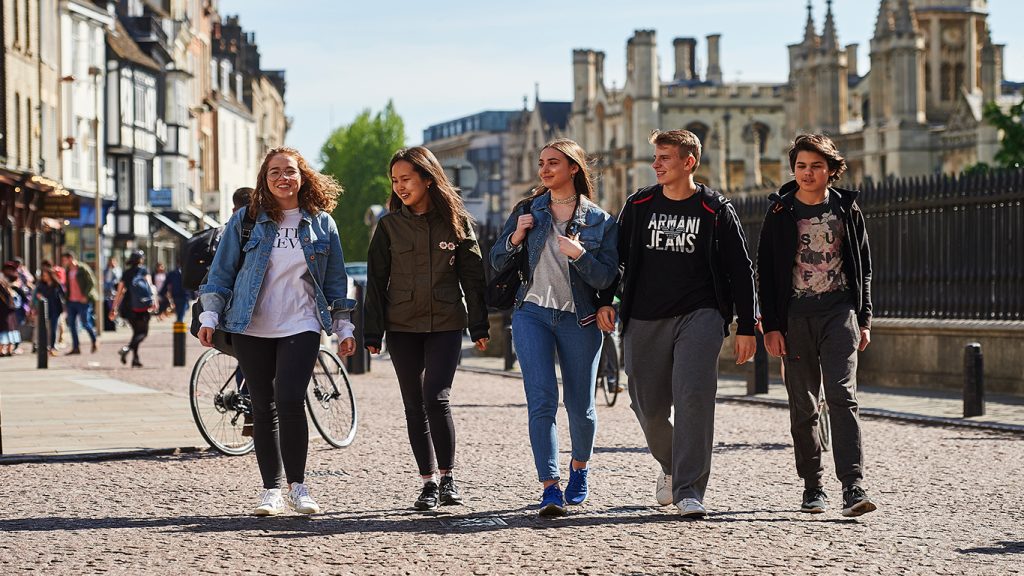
(221, 339)
(501, 290)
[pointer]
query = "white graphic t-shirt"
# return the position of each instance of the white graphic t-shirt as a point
(286, 304)
(819, 283)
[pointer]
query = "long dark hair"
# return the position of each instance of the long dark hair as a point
(318, 192)
(582, 182)
(443, 195)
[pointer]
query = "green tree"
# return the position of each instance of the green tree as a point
(358, 155)
(1011, 149)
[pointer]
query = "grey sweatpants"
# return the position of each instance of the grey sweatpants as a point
(821, 352)
(673, 364)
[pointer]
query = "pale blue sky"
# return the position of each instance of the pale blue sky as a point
(443, 60)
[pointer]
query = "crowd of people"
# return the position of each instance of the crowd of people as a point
(71, 295)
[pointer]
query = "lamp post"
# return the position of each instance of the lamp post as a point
(726, 117)
(96, 74)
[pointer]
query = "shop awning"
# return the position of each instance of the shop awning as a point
(203, 217)
(170, 225)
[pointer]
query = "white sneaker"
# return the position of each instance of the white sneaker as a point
(691, 508)
(298, 499)
(663, 489)
(271, 503)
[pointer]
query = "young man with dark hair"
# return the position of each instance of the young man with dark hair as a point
(81, 291)
(684, 274)
(814, 281)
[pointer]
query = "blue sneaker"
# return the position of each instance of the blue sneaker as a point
(551, 502)
(577, 490)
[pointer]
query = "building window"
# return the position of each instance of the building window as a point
(76, 168)
(141, 183)
(17, 128)
(123, 193)
(28, 132)
(90, 153)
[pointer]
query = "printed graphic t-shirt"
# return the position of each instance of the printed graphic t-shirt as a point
(286, 303)
(550, 286)
(675, 275)
(819, 283)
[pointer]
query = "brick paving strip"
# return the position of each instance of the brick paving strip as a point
(949, 500)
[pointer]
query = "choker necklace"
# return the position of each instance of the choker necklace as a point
(569, 200)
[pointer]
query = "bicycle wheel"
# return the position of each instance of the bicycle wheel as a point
(824, 425)
(330, 401)
(217, 406)
(610, 368)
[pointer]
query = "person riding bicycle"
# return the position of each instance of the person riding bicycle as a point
(290, 285)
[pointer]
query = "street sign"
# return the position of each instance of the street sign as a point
(161, 198)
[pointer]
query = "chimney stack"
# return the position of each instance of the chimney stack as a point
(851, 60)
(686, 54)
(714, 73)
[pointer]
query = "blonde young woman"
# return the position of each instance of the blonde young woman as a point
(570, 244)
(275, 291)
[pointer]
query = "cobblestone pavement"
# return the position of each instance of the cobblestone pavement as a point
(949, 503)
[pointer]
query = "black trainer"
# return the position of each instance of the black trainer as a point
(815, 501)
(428, 497)
(450, 495)
(856, 502)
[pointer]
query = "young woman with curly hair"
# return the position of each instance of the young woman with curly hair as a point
(274, 292)
(423, 258)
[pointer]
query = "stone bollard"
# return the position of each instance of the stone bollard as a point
(974, 381)
(42, 334)
(757, 383)
(510, 352)
(179, 343)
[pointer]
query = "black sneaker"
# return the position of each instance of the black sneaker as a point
(450, 495)
(815, 501)
(856, 502)
(428, 497)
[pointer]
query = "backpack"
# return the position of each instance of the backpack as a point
(200, 249)
(140, 292)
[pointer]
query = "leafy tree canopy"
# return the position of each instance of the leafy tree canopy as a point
(358, 155)
(1011, 149)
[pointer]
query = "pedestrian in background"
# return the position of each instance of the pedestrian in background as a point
(48, 288)
(81, 293)
(426, 235)
(173, 291)
(814, 271)
(10, 336)
(133, 307)
(274, 302)
(111, 278)
(570, 252)
(163, 302)
(685, 275)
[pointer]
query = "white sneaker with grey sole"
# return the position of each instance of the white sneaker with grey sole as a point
(271, 503)
(298, 499)
(691, 508)
(663, 489)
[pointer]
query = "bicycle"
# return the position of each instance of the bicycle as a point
(609, 373)
(221, 404)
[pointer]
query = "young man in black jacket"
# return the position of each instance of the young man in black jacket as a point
(684, 270)
(814, 282)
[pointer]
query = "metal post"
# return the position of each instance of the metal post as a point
(42, 334)
(179, 343)
(757, 383)
(359, 362)
(96, 74)
(510, 353)
(974, 381)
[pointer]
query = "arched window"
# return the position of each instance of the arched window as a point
(700, 130)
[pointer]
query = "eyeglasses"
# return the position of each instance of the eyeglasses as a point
(276, 174)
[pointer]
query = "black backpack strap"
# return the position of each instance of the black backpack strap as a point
(248, 223)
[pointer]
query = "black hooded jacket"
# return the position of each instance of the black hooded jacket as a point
(776, 255)
(731, 269)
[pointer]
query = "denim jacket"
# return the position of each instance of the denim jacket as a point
(232, 293)
(593, 271)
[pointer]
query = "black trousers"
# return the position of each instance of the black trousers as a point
(139, 321)
(425, 364)
(277, 372)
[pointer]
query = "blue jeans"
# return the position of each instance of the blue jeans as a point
(83, 309)
(180, 307)
(537, 334)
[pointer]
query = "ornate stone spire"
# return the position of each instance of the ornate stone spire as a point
(810, 35)
(904, 21)
(829, 38)
(883, 25)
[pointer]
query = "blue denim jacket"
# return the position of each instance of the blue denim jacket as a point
(231, 292)
(594, 270)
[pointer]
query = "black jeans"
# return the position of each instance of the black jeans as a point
(425, 364)
(822, 354)
(277, 372)
(139, 321)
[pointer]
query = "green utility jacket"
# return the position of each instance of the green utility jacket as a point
(417, 274)
(86, 282)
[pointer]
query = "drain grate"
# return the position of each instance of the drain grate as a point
(475, 522)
